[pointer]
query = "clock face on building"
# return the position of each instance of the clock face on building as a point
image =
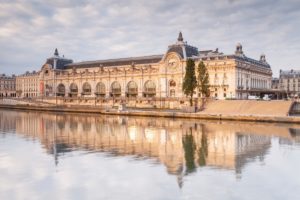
(173, 63)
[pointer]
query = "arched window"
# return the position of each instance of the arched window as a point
(172, 85)
(100, 89)
(172, 93)
(132, 89)
(115, 89)
(61, 90)
(86, 89)
(48, 90)
(216, 80)
(149, 89)
(73, 90)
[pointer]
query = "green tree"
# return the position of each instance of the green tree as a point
(190, 81)
(203, 80)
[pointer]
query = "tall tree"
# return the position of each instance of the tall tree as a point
(203, 80)
(190, 81)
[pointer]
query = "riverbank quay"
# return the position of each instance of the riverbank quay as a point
(155, 113)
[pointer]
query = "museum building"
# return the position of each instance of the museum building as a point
(155, 76)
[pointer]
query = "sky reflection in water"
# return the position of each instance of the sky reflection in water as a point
(62, 156)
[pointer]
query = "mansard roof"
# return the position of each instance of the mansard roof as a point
(191, 51)
(6, 77)
(27, 73)
(210, 53)
(289, 73)
(117, 62)
(60, 62)
(251, 60)
(214, 55)
(185, 51)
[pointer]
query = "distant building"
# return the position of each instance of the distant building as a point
(275, 83)
(153, 77)
(289, 81)
(7, 86)
(27, 85)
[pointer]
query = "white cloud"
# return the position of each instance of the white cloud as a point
(87, 30)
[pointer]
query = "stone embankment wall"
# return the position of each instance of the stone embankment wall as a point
(257, 111)
(153, 102)
(212, 107)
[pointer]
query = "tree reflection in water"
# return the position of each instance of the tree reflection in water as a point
(189, 147)
(190, 150)
(203, 150)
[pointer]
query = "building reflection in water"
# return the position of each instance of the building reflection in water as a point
(295, 134)
(181, 146)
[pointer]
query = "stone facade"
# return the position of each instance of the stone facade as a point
(289, 81)
(275, 84)
(156, 76)
(7, 86)
(27, 85)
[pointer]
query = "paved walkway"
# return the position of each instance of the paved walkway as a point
(248, 107)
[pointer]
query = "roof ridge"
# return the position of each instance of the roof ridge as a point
(119, 59)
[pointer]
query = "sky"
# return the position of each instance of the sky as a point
(30, 30)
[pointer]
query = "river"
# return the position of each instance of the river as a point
(83, 156)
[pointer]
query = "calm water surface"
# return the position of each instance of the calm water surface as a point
(70, 156)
